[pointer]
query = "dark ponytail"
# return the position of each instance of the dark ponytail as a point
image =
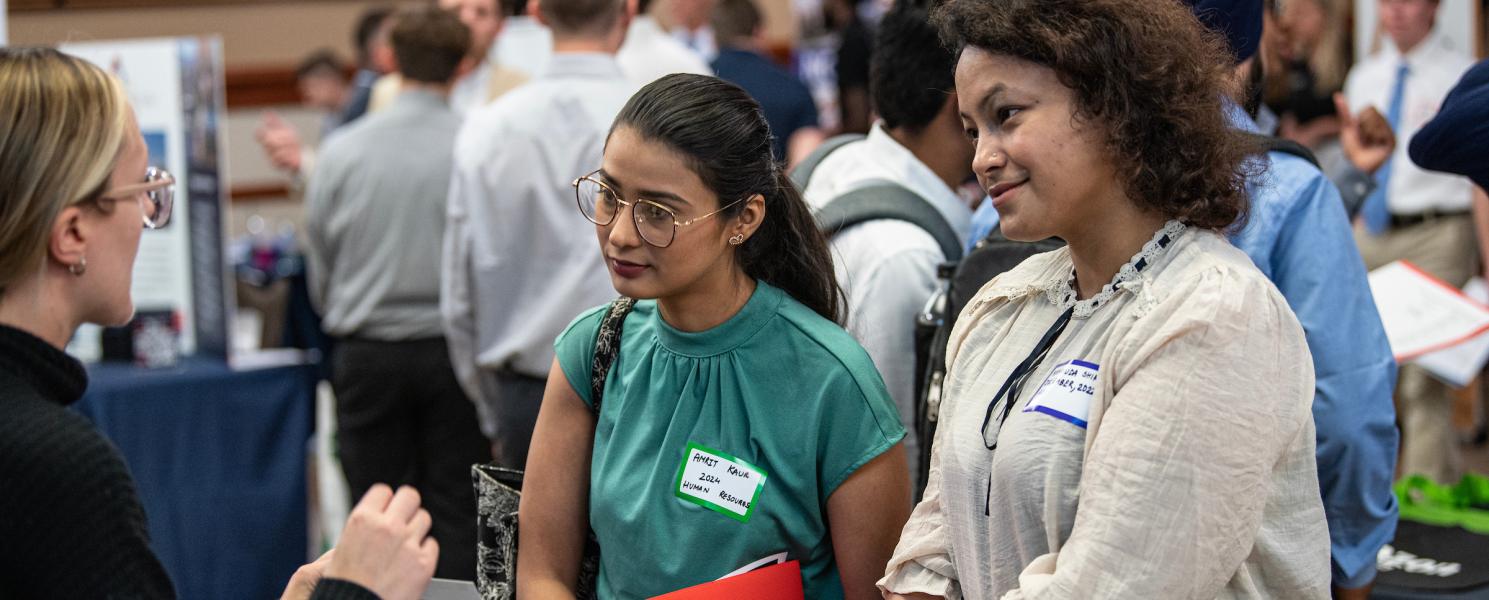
(722, 133)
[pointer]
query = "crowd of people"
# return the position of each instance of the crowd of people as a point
(1193, 397)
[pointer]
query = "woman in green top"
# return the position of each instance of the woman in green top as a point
(739, 421)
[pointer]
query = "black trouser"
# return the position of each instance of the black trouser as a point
(514, 400)
(402, 419)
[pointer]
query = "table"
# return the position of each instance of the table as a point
(219, 459)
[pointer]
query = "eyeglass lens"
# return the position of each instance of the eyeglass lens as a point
(159, 201)
(600, 205)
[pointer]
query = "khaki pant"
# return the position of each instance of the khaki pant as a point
(1447, 249)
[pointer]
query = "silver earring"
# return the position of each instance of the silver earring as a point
(78, 269)
(736, 239)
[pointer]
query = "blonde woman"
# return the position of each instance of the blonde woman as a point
(75, 191)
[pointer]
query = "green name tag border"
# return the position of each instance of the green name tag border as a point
(683, 467)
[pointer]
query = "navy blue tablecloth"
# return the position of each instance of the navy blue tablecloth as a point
(219, 458)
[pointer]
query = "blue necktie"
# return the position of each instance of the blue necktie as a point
(1375, 211)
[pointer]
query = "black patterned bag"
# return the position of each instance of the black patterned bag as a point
(499, 490)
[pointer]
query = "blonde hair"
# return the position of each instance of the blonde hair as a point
(62, 125)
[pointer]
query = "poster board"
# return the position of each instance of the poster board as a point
(176, 88)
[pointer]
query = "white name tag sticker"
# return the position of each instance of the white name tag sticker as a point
(1067, 392)
(719, 482)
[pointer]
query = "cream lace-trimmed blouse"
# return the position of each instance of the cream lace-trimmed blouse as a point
(1191, 476)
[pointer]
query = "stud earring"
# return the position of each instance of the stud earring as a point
(736, 239)
(78, 269)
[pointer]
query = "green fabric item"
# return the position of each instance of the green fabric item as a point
(775, 386)
(1465, 504)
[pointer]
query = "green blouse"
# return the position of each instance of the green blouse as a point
(781, 405)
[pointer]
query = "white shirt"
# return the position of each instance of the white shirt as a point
(1434, 68)
(523, 44)
(520, 261)
(470, 92)
(1187, 472)
(700, 40)
(887, 267)
(649, 53)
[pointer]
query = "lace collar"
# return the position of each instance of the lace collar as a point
(1063, 294)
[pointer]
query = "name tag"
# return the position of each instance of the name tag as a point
(719, 482)
(1067, 392)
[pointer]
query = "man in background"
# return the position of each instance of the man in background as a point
(321, 80)
(888, 267)
(649, 53)
(1426, 218)
(1298, 235)
(481, 79)
(281, 141)
(375, 222)
(519, 258)
(787, 102)
(691, 26)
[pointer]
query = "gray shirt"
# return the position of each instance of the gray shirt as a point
(376, 220)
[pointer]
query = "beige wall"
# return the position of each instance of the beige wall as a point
(271, 34)
(253, 35)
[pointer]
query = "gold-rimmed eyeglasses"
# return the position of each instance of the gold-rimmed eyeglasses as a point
(656, 223)
(156, 196)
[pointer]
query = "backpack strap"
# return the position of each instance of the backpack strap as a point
(607, 347)
(1276, 144)
(884, 200)
(803, 171)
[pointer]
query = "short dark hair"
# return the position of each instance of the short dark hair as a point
(734, 20)
(429, 44)
(321, 62)
(911, 73)
(580, 17)
(367, 26)
(1148, 76)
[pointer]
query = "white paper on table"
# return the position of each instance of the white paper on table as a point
(1459, 364)
(1421, 313)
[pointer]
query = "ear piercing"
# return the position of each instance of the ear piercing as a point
(736, 239)
(78, 269)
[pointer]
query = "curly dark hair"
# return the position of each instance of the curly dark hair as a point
(1148, 75)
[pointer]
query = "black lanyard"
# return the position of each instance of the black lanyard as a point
(1009, 393)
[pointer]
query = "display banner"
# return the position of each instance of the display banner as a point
(176, 87)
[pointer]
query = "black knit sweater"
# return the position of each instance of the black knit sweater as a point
(71, 524)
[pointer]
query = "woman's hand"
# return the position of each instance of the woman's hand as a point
(302, 583)
(385, 546)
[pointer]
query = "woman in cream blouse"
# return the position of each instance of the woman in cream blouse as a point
(1127, 417)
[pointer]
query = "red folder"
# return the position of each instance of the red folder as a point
(776, 582)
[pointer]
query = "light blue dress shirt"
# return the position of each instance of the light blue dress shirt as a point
(983, 222)
(1299, 236)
